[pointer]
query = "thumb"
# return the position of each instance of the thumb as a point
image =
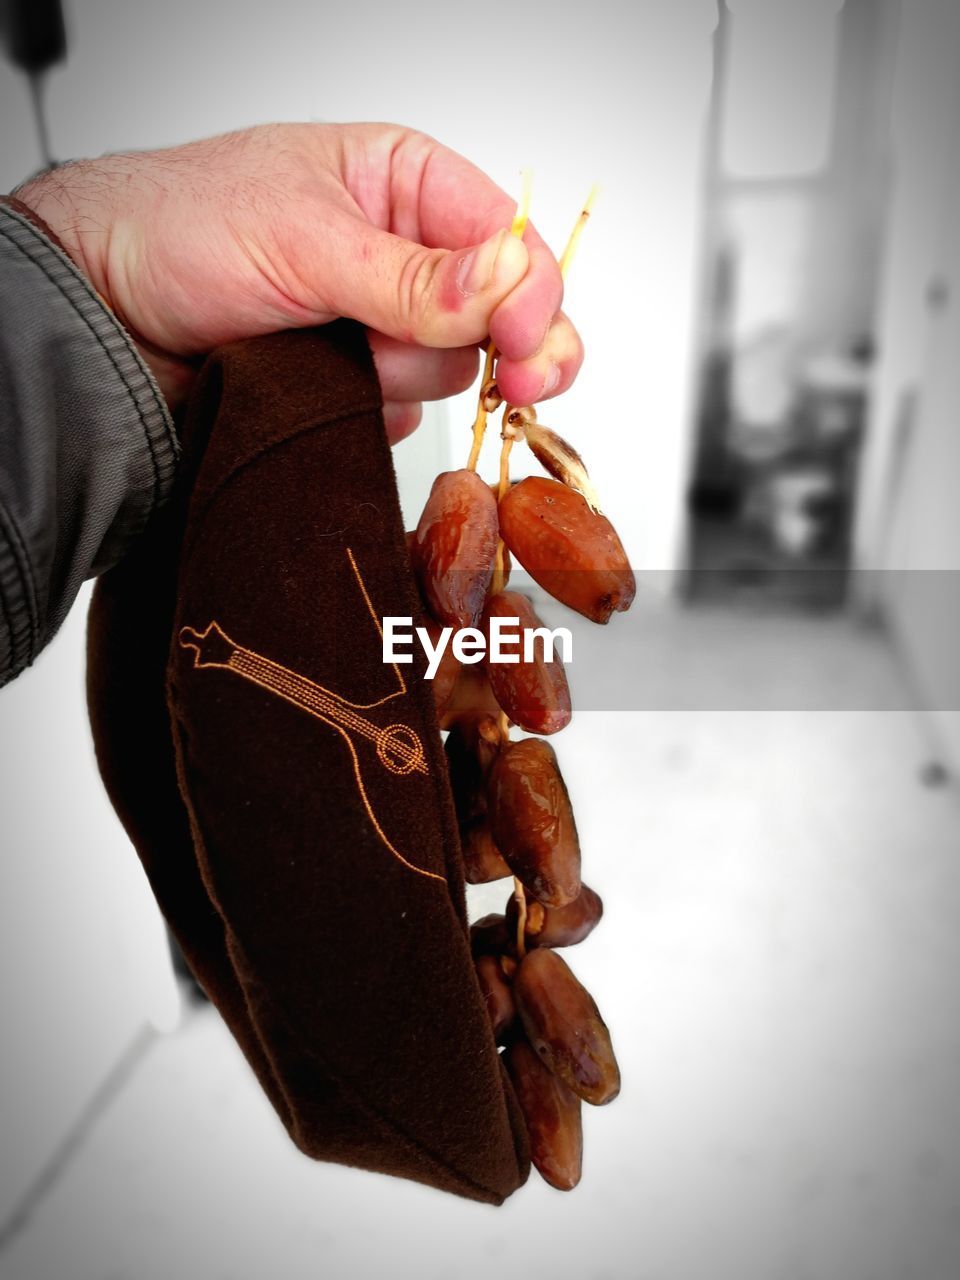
(433, 297)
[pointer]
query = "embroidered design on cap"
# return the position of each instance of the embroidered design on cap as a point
(396, 748)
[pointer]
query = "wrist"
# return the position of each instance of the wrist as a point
(77, 206)
(73, 212)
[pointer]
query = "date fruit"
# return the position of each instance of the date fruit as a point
(497, 994)
(482, 860)
(489, 937)
(564, 1026)
(454, 547)
(571, 551)
(532, 821)
(444, 682)
(534, 694)
(471, 748)
(472, 697)
(552, 1115)
(557, 926)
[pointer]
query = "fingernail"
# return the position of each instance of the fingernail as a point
(552, 380)
(476, 269)
(502, 259)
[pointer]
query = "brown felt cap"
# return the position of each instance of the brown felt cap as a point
(285, 789)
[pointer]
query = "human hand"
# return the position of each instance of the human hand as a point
(290, 225)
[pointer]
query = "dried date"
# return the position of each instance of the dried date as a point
(497, 995)
(532, 691)
(571, 551)
(454, 547)
(564, 1026)
(532, 821)
(552, 1115)
(557, 926)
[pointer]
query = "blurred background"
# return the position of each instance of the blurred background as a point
(765, 780)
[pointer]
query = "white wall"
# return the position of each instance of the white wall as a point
(83, 956)
(908, 530)
(807, 240)
(924, 137)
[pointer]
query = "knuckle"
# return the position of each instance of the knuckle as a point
(416, 289)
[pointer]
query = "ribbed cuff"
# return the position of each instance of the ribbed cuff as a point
(35, 240)
(133, 472)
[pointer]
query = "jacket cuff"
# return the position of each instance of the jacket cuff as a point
(31, 215)
(88, 450)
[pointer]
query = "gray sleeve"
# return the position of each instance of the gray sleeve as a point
(87, 447)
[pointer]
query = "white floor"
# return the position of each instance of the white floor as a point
(779, 966)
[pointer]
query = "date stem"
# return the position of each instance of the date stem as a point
(480, 421)
(505, 467)
(582, 219)
(517, 228)
(508, 436)
(520, 895)
(497, 583)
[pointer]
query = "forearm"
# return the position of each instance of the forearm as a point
(87, 448)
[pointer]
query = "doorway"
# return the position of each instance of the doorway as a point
(798, 172)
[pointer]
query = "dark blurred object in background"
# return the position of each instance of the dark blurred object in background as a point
(34, 39)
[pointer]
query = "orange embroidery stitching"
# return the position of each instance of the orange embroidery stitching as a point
(398, 748)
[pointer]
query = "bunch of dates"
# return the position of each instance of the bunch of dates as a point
(512, 805)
